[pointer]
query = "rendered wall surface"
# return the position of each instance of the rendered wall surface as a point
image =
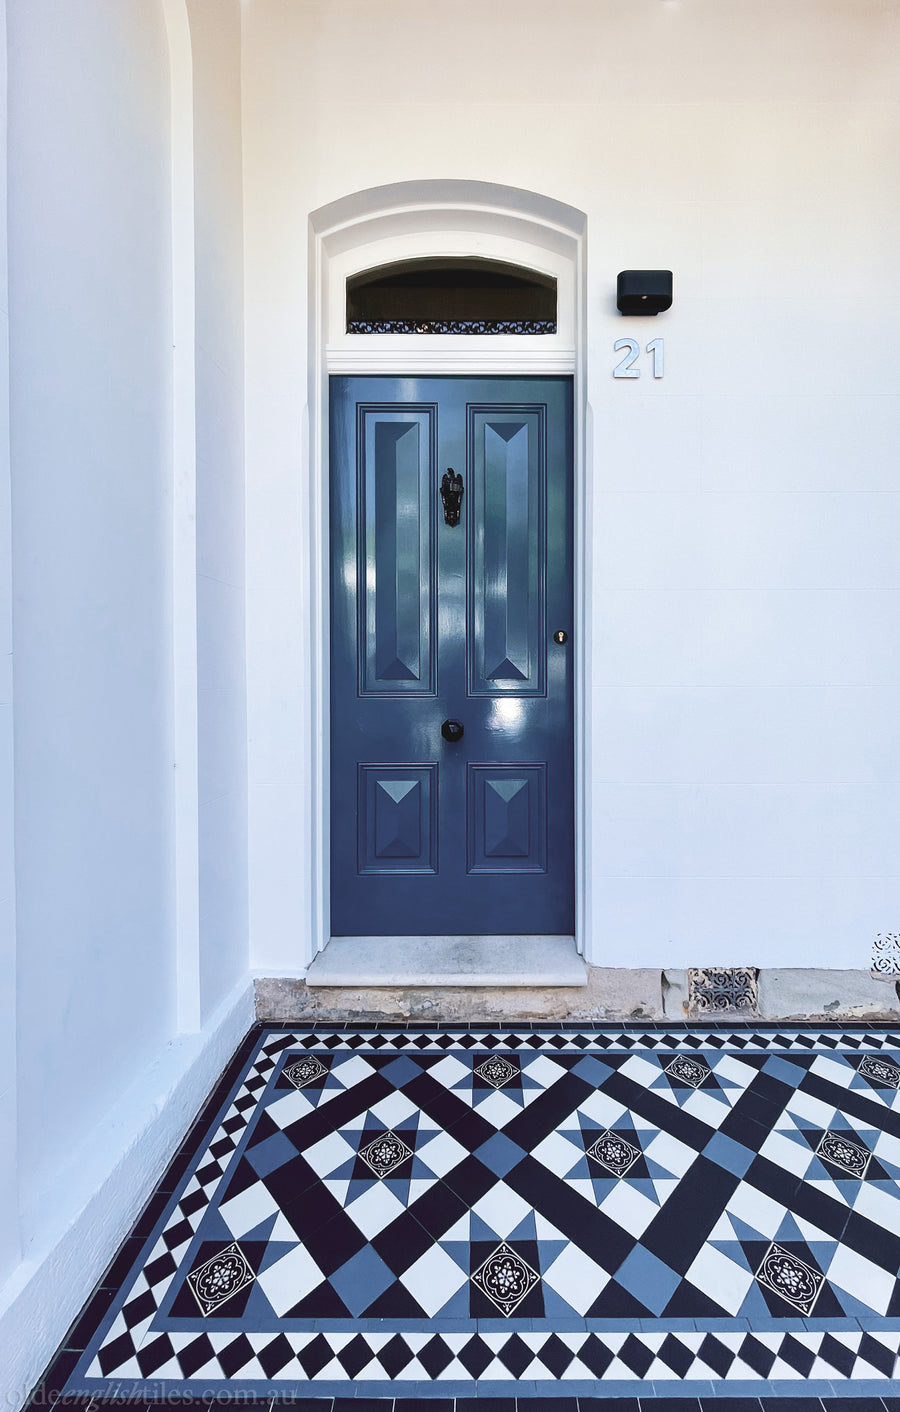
(116, 1019)
(742, 512)
(90, 321)
(219, 331)
(9, 1233)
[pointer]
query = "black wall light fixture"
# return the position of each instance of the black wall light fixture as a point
(644, 291)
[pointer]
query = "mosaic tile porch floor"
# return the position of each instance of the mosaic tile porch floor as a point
(539, 1216)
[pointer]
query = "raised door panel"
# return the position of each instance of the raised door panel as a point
(507, 818)
(507, 558)
(395, 552)
(396, 819)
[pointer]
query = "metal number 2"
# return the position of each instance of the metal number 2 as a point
(625, 367)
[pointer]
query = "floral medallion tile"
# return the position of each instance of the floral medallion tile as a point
(786, 1275)
(385, 1153)
(506, 1278)
(220, 1277)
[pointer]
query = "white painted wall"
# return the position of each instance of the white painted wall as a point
(9, 1196)
(744, 774)
(118, 1010)
(90, 321)
(219, 332)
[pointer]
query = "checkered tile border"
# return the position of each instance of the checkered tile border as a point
(503, 1357)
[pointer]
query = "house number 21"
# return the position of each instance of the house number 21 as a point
(625, 367)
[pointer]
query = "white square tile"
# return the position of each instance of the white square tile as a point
(433, 1279)
(289, 1279)
(498, 1109)
(888, 1147)
(833, 1070)
(641, 1070)
(709, 1110)
(729, 1067)
(351, 1071)
(247, 1209)
(718, 1276)
(668, 1152)
(629, 1208)
(289, 1108)
(502, 1209)
(441, 1153)
(558, 1154)
(878, 1205)
(584, 1187)
(543, 1070)
(787, 1154)
(450, 1071)
(868, 1283)
(756, 1210)
(601, 1109)
(394, 1109)
(375, 1209)
(805, 1105)
(576, 1278)
(329, 1153)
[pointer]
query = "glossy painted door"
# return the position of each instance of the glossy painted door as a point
(435, 623)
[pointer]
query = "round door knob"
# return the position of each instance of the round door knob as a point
(452, 731)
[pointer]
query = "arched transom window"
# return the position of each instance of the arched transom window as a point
(451, 296)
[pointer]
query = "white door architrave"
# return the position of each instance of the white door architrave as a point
(416, 220)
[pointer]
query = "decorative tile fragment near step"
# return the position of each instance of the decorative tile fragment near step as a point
(428, 1214)
(886, 954)
(727, 988)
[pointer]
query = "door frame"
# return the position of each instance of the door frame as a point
(416, 220)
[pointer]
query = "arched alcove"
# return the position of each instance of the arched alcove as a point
(452, 221)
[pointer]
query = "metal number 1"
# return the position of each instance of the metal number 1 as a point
(656, 350)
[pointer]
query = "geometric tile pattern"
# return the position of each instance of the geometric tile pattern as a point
(446, 1211)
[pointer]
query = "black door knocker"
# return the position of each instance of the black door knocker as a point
(451, 496)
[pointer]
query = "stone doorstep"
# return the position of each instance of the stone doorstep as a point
(607, 994)
(501, 961)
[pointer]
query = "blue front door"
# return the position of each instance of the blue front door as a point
(451, 699)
